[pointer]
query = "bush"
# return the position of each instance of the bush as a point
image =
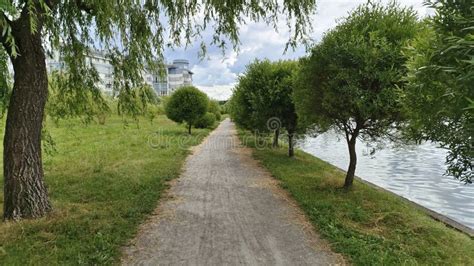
(206, 121)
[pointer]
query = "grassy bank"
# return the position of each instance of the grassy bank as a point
(366, 225)
(103, 181)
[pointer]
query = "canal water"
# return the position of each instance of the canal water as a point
(413, 172)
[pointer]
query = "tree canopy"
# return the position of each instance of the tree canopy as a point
(256, 78)
(131, 33)
(63, 105)
(441, 78)
(352, 80)
(262, 99)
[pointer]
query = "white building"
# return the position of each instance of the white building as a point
(176, 75)
(99, 61)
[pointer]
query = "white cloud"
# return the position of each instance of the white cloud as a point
(214, 71)
(218, 92)
(216, 74)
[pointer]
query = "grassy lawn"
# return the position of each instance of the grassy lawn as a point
(103, 181)
(366, 225)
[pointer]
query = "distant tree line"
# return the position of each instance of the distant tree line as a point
(380, 73)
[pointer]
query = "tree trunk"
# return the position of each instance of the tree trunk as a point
(275, 138)
(291, 149)
(25, 193)
(352, 163)
(189, 128)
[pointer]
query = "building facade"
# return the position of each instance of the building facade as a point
(98, 60)
(175, 75)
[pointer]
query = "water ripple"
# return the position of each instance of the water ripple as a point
(415, 172)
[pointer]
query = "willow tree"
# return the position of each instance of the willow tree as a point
(352, 80)
(131, 32)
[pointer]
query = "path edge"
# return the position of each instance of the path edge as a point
(155, 214)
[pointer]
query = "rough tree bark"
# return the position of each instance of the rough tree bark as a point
(25, 193)
(275, 138)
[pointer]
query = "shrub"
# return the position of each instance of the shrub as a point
(215, 109)
(206, 121)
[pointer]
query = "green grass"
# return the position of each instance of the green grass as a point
(103, 181)
(368, 226)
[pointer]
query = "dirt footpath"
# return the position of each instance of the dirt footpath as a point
(227, 210)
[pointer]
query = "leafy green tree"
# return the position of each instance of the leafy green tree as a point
(282, 98)
(352, 80)
(225, 106)
(262, 100)
(275, 102)
(133, 35)
(257, 76)
(153, 111)
(215, 108)
(441, 78)
(188, 105)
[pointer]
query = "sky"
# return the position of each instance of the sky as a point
(217, 73)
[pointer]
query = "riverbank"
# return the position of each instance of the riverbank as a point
(367, 225)
(414, 172)
(103, 181)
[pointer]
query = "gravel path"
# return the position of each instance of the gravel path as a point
(227, 210)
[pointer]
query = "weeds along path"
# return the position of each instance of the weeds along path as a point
(226, 209)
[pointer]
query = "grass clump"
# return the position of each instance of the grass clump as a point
(368, 226)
